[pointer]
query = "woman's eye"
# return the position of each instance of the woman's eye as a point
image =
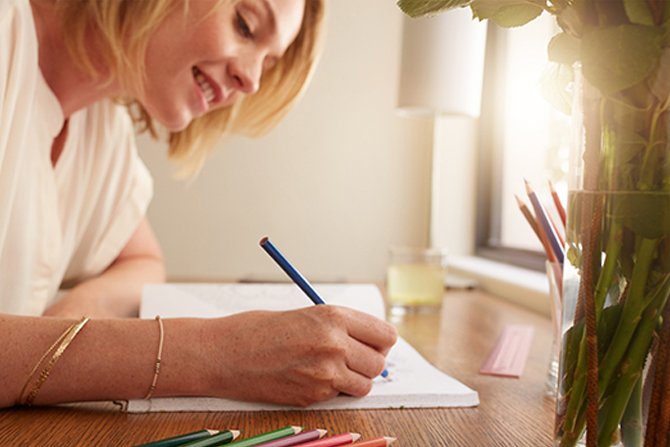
(243, 27)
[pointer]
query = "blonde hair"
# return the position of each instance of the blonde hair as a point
(123, 29)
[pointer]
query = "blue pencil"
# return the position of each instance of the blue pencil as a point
(291, 271)
(295, 275)
(543, 220)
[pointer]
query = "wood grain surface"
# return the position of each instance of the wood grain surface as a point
(513, 412)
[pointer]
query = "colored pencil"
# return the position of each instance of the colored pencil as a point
(294, 440)
(221, 438)
(545, 224)
(291, 271)
(382, 441)
(183, 439)
(558, 204)
(334, 441)
(295, 275)
(265, 437)
(538, 231)
(528, 215)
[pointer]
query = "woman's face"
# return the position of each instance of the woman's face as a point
(208, 58)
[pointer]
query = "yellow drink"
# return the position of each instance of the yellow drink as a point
(415, 284)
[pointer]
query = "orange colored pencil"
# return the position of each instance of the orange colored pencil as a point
(382, 441)
(558, 204)
(528, 215)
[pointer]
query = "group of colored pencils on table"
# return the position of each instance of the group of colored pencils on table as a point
(545, 228)
(284, 437)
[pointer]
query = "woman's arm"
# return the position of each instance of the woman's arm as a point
(297, 357)
(117, 291)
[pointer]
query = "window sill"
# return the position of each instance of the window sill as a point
(526, 288)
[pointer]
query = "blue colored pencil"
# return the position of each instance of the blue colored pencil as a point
(295, 275)
(543, 220)
(291, 271)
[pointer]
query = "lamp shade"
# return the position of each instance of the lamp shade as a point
(442, 64)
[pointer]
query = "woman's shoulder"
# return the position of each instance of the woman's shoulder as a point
(108, 114)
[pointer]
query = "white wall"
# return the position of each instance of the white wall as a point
(333, 186)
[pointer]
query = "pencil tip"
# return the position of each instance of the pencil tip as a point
(528, 188)
(322, 432)
(235, 433)
(355, 436)
(296, 429)
(389, 441)
(212, 432)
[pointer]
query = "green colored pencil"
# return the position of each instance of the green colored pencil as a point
(265, 437)
(215, 440)
(182, 439)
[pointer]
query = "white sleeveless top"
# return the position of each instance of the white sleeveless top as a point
(70, 222)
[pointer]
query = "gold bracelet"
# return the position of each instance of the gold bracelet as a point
(65, 340)
(157, 367)
(32, 373)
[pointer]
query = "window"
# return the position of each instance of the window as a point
(523, 137)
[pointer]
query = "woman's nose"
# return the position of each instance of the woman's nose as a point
(247, 74)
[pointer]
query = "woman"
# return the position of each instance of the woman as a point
(73, 195)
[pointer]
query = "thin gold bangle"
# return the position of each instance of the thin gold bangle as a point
(69, 336)
(157, 367)
(51, 348)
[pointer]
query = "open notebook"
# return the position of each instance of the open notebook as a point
(414, 382)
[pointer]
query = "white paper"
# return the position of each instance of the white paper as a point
(413, 381)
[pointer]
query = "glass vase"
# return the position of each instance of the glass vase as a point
(617, 266)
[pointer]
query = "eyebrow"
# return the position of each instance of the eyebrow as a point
(270, 13)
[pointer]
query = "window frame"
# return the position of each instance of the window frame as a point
(489, 167)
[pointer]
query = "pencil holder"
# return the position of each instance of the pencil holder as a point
(555, 279)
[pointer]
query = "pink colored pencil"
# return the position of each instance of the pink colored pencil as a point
(297, 439)
(382, 441)
(333, 441)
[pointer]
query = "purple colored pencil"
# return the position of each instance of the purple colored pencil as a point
(547, 227)
(300, 438)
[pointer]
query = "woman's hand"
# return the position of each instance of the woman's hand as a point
(297, 357)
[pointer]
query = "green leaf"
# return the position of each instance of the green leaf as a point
(628, 118)
(555, 81)
(615, 58)
(564, 49)
(421, 8)
(571, 20)
(506, 13)
(646, 214)
(660, 82)
(628, 146)
(638, 12)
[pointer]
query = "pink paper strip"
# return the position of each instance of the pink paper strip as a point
(509, 355)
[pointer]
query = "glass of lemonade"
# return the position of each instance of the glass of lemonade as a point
(415, 279)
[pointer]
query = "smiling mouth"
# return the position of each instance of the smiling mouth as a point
(204, 85)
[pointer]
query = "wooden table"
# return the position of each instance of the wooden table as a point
(513, 412)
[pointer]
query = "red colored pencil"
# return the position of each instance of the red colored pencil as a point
(557, 203)
(382, 441)
(333, 441)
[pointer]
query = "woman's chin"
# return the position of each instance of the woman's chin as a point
(177, 123)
